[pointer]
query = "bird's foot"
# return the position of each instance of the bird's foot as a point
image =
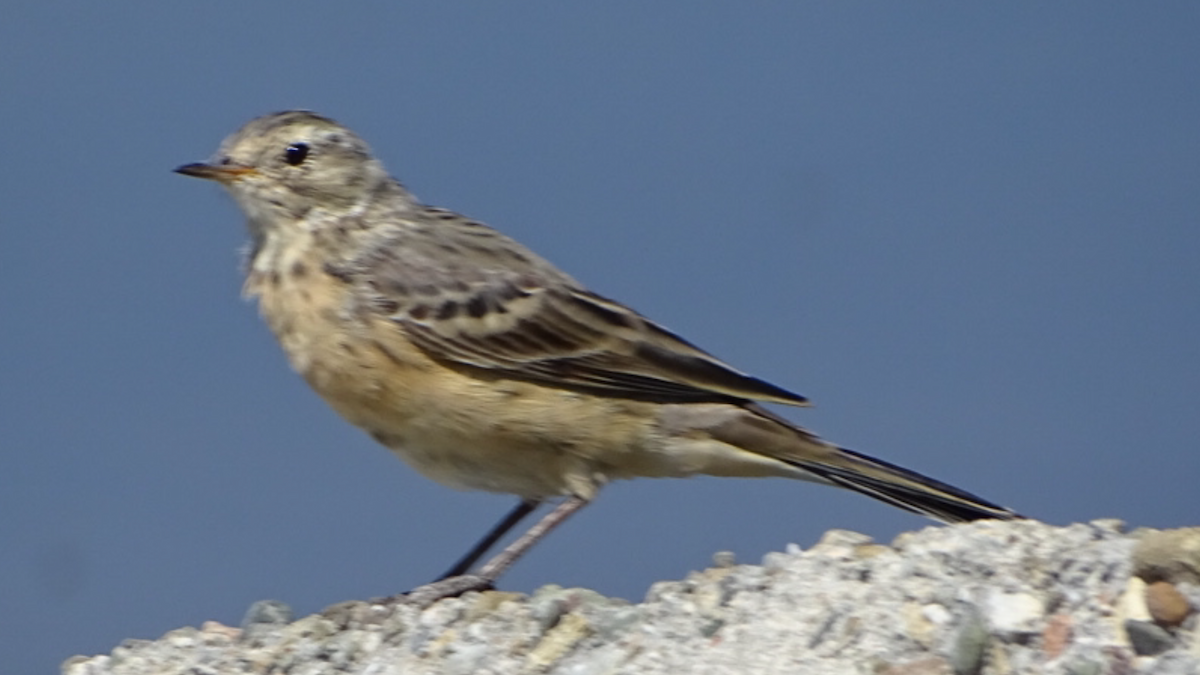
(450, 587)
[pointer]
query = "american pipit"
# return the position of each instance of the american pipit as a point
(484, 366)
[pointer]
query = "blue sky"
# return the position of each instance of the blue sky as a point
(968, 232)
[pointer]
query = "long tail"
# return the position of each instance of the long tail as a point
(762, 432)
(905, 489)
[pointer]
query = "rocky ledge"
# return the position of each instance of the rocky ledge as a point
(986, 598)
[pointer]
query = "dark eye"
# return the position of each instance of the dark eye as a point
(296, 153)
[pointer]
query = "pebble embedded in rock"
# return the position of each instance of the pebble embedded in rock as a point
(1167, 605)
(1012, 613)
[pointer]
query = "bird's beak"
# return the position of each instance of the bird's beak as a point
(222, 173)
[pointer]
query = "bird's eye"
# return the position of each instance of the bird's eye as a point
(296, 153)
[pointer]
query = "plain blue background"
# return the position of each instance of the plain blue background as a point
(967, 231)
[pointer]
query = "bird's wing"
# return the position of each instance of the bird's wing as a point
(471, 296)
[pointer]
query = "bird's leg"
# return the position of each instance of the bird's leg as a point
(426, 595)
(500, 563)
(489, 540)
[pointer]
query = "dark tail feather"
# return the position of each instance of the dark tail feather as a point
(907, 489)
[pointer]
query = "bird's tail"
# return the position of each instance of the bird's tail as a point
(762, 432)
(906, 489)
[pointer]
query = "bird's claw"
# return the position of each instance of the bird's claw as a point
(450, 587)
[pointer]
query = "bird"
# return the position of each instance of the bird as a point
(484, 366)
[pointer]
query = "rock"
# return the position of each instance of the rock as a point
(1132, 604)
(1056, 636)
(970, 644)
(1166, 604)
(1146, 638)
(1168, 555)
(980, 598)
(1014, 613)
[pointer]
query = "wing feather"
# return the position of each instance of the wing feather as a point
(476, 298)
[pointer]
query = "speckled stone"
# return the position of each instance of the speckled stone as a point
(981, 598)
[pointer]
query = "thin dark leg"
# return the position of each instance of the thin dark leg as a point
(493, 568)
(489, 540)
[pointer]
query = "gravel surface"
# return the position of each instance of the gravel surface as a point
(987, 598)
